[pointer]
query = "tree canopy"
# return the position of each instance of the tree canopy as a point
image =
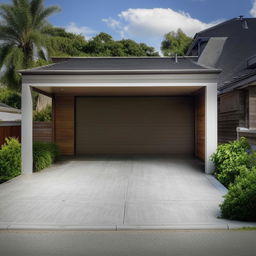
(69, 44)
(22, 35)
(175, 43)
(27, 39)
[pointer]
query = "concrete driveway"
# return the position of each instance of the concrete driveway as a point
(114, 193)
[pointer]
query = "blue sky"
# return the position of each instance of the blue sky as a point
(145, 20)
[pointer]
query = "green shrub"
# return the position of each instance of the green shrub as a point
(44, 154)
(10, 159)
(231, 159)
(43, 115)
(10, 98)
(240, 201)
(41, 159)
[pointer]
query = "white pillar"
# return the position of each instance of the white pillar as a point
(211, 125)
(27, 130)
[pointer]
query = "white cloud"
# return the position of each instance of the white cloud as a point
(144, 23)
(253, 10)
(83, 30)
(112, 23)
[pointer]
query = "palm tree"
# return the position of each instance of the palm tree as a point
(22, 34)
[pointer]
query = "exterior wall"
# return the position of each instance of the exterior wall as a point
(231, 114)
(200, 124)
(5, 116)
(64, 129)
(42, 131)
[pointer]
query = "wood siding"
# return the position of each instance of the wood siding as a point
(231, 114)
(200, 124)
(135, 125)
(9, 131)
(64, 124)
(42, 131)
(252, 107)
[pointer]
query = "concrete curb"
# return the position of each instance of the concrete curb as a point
(217, 184)
(173, 227)
(37, 227)
(60, 227)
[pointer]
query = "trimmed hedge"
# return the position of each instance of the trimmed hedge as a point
(10, 159)
(240, 201)
(44, 154)
(231, 159)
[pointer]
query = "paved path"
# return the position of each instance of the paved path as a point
(140, 243)
(114, 194)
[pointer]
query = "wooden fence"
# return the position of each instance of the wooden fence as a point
(42, 131)
(9, 129)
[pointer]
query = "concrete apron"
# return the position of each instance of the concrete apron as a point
(115, 194)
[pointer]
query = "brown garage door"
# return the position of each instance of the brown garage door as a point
(134, 125)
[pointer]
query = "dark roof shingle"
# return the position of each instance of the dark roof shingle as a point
(239, 47)
(70, 65)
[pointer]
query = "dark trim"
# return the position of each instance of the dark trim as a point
(10, 123)
(42, 92)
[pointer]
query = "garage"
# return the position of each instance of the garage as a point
(135, 125)
(125, 106)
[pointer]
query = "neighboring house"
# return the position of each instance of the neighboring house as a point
(8, 113)
(10, 125)
(143, 105)
(231, 47)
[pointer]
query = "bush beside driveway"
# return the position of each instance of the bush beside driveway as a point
(44, 154)
(235, 164)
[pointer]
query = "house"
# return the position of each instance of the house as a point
(146, 105)
(8, 113)
(230, 46)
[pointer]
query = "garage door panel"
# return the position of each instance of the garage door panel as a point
(129, 111)
(129, 135)
(136, 149)
(134, 125)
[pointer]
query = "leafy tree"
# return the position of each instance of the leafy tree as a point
(10, 98)
(104, 45)
(22, 31)
(63, 43)
(175, 43)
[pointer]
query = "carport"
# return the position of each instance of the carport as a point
(127, 106)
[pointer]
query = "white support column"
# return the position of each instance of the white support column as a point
(27, 130)
(211, 125)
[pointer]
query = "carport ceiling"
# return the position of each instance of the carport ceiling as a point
(121, 91)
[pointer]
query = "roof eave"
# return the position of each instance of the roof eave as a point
(124, 72)
(10, 110)
(241, 84)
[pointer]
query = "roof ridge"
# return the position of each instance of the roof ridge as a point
(125, 57)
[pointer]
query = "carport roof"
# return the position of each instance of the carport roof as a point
(105, 65)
